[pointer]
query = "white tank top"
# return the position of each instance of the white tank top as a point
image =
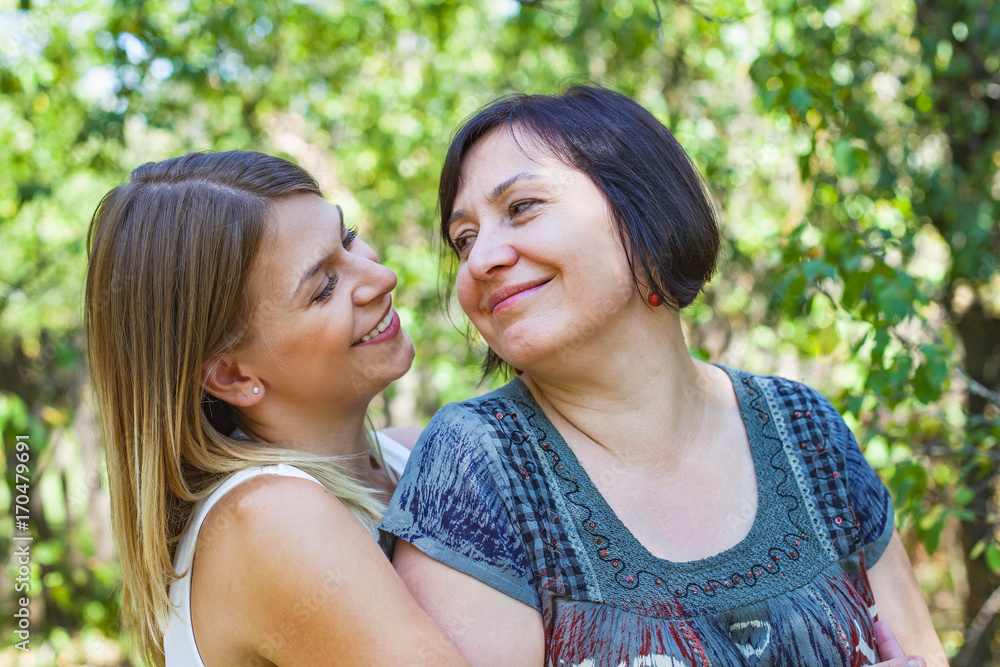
(179, 644)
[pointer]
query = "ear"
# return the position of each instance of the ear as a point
(222, 377)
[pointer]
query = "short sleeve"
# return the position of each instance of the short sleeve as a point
(867, 495)
(454, 506)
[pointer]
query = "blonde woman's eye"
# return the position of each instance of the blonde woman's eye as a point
(331, 282)
(352, 233)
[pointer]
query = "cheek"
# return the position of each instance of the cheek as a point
(467, 293)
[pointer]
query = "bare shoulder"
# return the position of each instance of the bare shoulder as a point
(268, 502)
(281, 525)
(404, 435)
(261, 546)
(289, 575)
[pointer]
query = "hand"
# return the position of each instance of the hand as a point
(890, 652)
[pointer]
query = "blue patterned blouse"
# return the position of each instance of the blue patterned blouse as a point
(493, 491)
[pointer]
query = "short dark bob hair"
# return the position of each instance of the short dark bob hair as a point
(660, 204)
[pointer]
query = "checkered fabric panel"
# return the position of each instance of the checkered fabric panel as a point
(830, 454)
(516, 434)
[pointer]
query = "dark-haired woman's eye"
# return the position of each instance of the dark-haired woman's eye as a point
(331, 282)
(352, 233)
(463, 244)
(520, 207)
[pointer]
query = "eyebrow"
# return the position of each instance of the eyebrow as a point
(496, 193)
(311, 271)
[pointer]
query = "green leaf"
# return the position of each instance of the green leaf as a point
(891, 298)
(963, 496)
(882, 339)
(929, 381)
(828, 339)
(844, 154)
(931, 529)
(800, 99)
(992, 557)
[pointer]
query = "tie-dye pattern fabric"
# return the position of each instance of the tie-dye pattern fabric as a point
(493, 491)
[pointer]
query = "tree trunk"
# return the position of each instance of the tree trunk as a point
(980, 335)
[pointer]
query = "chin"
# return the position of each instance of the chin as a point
(525, 355)
(397, 361)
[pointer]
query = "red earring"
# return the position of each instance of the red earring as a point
(654, 299)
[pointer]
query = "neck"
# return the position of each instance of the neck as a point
(314, 429)
(641, 401)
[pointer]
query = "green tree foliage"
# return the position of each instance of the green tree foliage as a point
(898, 110)
(853, 151)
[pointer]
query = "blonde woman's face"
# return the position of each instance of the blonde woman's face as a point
(324, 330)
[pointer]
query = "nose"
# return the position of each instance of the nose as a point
(490, 251)
(377, 280)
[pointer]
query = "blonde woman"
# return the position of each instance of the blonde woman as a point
(237, 330)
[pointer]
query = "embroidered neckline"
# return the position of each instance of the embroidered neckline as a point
(630, 576)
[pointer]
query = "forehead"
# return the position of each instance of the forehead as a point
(297, 223)
(298, 231)
(503, 152)
(507, 142)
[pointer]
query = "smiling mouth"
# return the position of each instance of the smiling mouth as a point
(379, 328)
(507, 296)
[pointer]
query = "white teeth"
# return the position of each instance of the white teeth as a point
(382, 326)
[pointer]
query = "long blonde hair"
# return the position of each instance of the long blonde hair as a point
(170, 252)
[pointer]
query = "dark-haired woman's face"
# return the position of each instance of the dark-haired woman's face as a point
(542, 272)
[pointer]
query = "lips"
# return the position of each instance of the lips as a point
(505, 296)
(386, 328)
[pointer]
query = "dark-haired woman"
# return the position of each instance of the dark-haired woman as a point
(620, 503)
(237, 330)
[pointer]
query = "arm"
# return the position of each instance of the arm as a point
(901, 604)
(460, 546)
(487, 626)
(283, 572)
